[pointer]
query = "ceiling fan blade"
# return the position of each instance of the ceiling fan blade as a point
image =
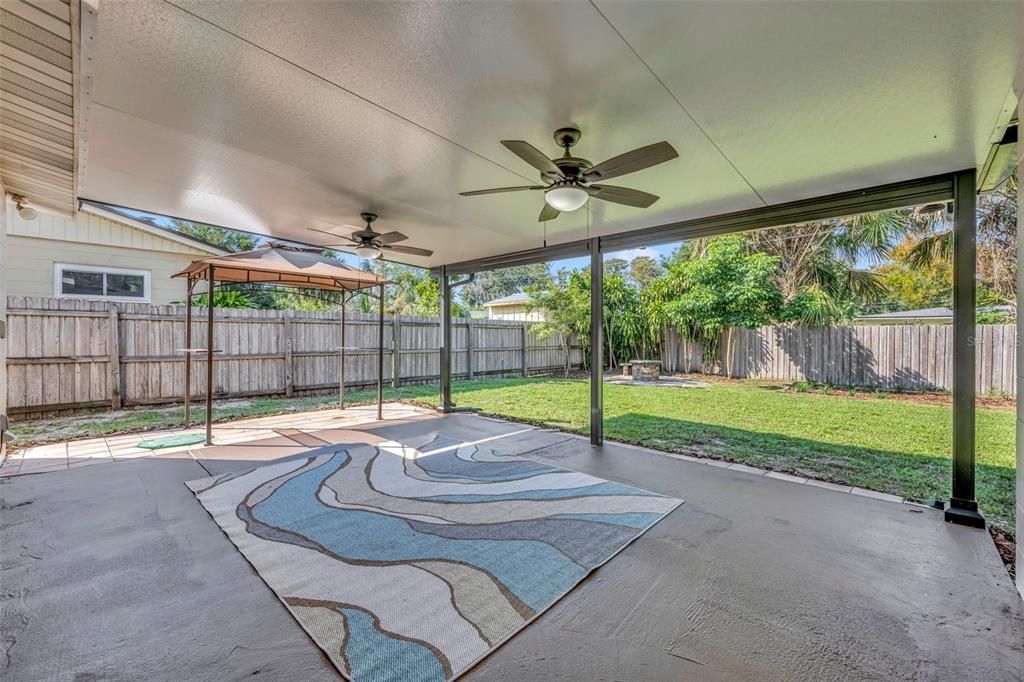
(390, 237)
(412, 250)
(331, 234)
(533, 156)
(633, 161)
(548, 213)
(622, 195)
(496, 190)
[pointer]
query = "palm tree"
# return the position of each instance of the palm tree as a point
(997, 233)
(818, 272)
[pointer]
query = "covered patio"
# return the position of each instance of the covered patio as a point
(776, 113)
(753, 578)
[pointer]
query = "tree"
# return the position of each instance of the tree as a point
(729, 287)
(818, 274)
(487, 286)
(910, 285)
(566, 302)
(643, 270)
(411, 291)
(616, 267)
(229, 240)
(996, 235)
(226, 299)
(623, 328)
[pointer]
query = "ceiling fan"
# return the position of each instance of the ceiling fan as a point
(569, 180)
(369, 243)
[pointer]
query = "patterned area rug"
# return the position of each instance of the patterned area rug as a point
(410, 565)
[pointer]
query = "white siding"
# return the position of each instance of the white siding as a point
(514, 312)
(90, 229)
(3, 309)
(34, 246)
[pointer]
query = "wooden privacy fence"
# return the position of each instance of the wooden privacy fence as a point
(912, 357)
(66, 354)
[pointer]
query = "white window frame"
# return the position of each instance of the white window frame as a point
(58, 288)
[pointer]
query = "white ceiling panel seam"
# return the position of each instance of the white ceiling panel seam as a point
(682, 106)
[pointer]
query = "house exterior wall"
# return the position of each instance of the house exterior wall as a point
(34, 247)
(3, 318)
(1020, 358)
(514, 312)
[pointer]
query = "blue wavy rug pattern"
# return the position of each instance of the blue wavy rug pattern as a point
(409, 565)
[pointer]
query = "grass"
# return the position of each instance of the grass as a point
(896, 446)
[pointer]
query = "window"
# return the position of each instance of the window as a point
(87, 281)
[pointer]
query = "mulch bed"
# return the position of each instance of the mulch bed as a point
(1007, 549)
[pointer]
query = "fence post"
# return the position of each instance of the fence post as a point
(114, 350)
(289, 380)
(470, 329)
(526, 332)
(396, 348)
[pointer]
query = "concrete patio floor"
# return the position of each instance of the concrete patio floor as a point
(114, 571)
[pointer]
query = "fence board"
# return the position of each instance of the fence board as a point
(889, 357)
(59, 352)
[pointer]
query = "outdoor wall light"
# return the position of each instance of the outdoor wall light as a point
(26, 212)
(368, 251)
(566, 197)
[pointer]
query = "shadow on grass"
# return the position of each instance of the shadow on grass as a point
(915, 477)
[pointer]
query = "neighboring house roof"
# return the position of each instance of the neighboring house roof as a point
(150, 226)
(512, 299)
(930, 313)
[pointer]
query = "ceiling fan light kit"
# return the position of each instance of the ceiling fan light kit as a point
(570, 179)
(566, 197)
(368, 251)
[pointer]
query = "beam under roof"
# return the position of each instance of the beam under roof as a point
(936, 188)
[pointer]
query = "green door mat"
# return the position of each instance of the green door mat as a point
(173, 441)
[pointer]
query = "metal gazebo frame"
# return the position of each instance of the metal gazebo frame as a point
(278, 265)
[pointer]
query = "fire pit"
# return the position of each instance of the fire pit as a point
(645, 370)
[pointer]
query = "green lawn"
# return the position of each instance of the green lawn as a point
(880, 443)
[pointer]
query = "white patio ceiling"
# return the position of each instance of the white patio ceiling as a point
(275, 117)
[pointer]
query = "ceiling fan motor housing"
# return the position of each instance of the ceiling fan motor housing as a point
(571, 166)
(567, 137)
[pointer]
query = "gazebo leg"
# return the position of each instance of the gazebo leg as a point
(341, 357)
(188, 352)
(209, 356)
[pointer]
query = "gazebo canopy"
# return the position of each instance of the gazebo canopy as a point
(283, 265)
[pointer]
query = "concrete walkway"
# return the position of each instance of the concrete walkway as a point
(116, 572)
(118, 448)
